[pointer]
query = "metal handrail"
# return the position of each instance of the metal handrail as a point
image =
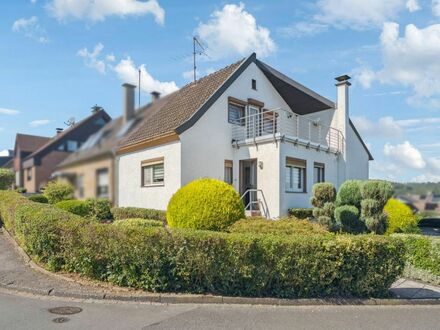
(282, 123)
(257, 201)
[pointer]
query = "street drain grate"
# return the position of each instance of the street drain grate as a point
(60, 320)
(65, 310)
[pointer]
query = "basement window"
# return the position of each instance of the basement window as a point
(153, 172)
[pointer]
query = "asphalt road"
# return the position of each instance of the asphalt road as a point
(31, 312)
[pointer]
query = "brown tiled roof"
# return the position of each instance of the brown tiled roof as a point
(171, 111)
(30, 143)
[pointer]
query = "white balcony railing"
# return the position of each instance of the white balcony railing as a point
(280, 124)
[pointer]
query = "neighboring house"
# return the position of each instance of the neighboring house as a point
(429, 202)
(24, 145)
(251, 126)
(5, 157)
(91, 168)
(38, 167)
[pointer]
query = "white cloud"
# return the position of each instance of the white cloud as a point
(410, 60)
(91, 59)
(4, 111)
(4, 153)
(98, 10)
(303, 29)
(385, 127)
(33, 1)
(232, 30)
(436, 7)
(128, 72)
(31, 28)
(412, 5)
(405, 154)
(39, 122)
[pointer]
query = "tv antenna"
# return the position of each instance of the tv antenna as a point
(70, 122)
(198, 49)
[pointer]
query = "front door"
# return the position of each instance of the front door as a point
(248, 181)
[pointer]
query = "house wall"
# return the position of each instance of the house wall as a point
(88, 171)
(357, 157)
(131, 193)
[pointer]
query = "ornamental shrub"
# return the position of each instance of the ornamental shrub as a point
(401, 219)
(77, 207)
(322, 193)
(376, 224)
(370, 208)
(327, 210)
(99, 209)
(378, 190)
(347, 217)
(38, 198)
(21, 190)
(301, 213)
(120, 213)
(57, 191)
(350, 193)
(276, 227)
(138, 223)
(329, 223)
(208, 204)
(7, 178)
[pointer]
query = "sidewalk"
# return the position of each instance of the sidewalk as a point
(19, 273)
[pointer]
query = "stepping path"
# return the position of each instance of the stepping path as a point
(18, 272)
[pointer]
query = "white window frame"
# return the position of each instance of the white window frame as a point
(318, 173)
(301, 183)
(229, 172)
(151, 166)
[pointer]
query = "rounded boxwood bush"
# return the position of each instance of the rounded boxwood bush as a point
(322, 193)
(379, 190)
(377, 224)
(400, 218)
(205, 204)
(7, 178)
(57, 191)
(347, 216)
(350, 193)
(38, 198)
(370, 207)
(80, 208)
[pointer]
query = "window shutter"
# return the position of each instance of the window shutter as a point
(295, 162)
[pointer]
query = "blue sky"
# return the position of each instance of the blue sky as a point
(60, 57)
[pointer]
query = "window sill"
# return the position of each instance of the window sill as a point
(295, 192)
(154, 185)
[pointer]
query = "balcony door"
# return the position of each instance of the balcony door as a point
(252, 122)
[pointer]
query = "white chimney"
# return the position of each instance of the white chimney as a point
(154, 96)
(342, 104)
(128, 101)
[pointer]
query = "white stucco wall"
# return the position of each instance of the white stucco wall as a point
(357, 157)
(131, 193)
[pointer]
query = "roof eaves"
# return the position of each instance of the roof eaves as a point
(214, 97)
(370, 156)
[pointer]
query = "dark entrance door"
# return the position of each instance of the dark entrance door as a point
(248, 180)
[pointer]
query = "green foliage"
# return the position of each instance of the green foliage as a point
(301, 213)
(329, 223)
(422, 252)
(38, 198)
(370, 207)
(99, 209)
(323, 193)
(423, 188)
(138, 223)
(376, 224)
(21, 190)
(400, 218)
(378, 190)
(153, 259)
(57, 191)
(120, 213)
(347, 217)
(77, 207)
(7, 178)
(327, 210)
(350, 193)
(276, 227)
(205, 204)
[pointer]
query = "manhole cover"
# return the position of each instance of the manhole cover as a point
(65, 310)
(61, 320)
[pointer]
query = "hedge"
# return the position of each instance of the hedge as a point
(155, 259)
(38, 198)
(137, 222)
(57, 191)
(7, 178)
(120, 213)
(77, 207)
(301, 213)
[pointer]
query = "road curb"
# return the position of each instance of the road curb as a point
(170, 298)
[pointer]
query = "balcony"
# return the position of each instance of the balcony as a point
(281, 125)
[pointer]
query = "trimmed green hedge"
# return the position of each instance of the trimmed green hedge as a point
(138, 223)
(120, 213)
(38, 198)
(155, 259)
(77, 207)
(301, 213)
(7, 178)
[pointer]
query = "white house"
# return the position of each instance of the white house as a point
(249, 125)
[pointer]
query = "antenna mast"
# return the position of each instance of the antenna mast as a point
(200, 51)
(139, 89)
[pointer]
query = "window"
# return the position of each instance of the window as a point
(102, 182)
(72, 145)
(61, 147)
(295, 175)
(235, 113)
(318, 172)
(80, 185)
(228, 171)
(29, 174)
(153, 172)
(254, 84)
